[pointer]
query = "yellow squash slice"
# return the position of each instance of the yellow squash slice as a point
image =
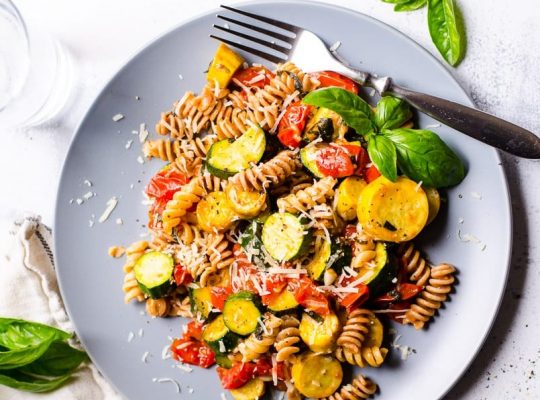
(214, 212)
(224, 65)
(317, 375)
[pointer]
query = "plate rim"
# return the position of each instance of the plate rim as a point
(508, 220)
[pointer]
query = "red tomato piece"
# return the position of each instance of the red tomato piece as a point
(165, 184)
(218, 296)
(349, 231)
(194, 330)
(372, 173)
(236, 376)
(334, 161)
(331, 78)
(182, 275)
(362, 159)
(192, 352)
(254, 76)
(408, 290)
(355, 300)
(292, 124)
(307, 295)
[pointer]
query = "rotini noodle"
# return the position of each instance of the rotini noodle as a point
(157, 307)
(360, 388)
(309, 197)
(182, 200)
(414, 263)
(131, 287)
(355, 330)
(288, 339)
(255, 346)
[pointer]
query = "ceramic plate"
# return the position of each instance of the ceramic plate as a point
(473, 233)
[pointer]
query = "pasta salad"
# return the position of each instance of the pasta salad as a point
(282, 224)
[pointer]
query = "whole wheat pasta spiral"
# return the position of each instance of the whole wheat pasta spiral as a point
(287, 339)
(360, 388)
(355, 329)
(374, 356)
(431, 298)
(255, 346)
(180, 307)
(170, 150)
(157, 307)
(414, 263)
(182, 200)
(364, 251)
(274, 171)
(131, 287)
(307, 198)
(231, 123)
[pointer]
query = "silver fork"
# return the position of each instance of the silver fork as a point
(309, 53)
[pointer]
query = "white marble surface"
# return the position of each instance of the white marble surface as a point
(501, 71)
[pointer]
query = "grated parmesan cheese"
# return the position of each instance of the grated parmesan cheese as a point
(130, 337)
(117, 117)
(223, 396)
(184, 367)
(111, 204)
(288, 100)
(144, 357)
(87, 183)
(140, 160)
(128, 144)
(476, 195)
(335, 46)
(164, 380)
(119, 221)
(143, 133)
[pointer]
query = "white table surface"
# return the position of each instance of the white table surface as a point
(501, 71)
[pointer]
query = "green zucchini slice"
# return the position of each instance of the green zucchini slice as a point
(223, 360)
(250, 240)
(227, 157)
(325, 124)
(241, 313)
(219, 337)
(285, 237)
(335, 255)
(284, 303)
(201, 301)
(153, 272)
(384, 271)
(308, 157)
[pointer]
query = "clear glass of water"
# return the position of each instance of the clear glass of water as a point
(36, 73)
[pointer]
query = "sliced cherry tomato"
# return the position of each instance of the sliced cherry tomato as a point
(292, 124)
(331, 78)
(372, 173)
(254, 76)
(408, 290)
(194, 330)
(334, 161)
(307, 295)
(263, 367)
(182, 275)
(355, 300)
(349, 231)
(248, 271)
(362, 159)
(165, 184)
(218, 296)
(236, 376)
(192, 352)
(274, 285)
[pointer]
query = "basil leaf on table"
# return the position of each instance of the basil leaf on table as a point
(446, 33)
(410, 5)
(392, 113)
(382, 153)
(355, 112)
(423, 156)
(59, 359)
(29, 383)
(18, 334)
(11, 359)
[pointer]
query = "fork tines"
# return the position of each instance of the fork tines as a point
(284, 50)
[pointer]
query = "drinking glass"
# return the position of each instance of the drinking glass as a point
(36, 73)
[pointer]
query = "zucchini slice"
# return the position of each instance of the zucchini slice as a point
(250, 240)
(253, 390)
(201, 301)
(393, 211)
(153, 272)
(224, 65)
(308, 156)
(380, 275)
(317, 375)
(320, 336)
(223, 360)
(219, 337)
(284, 303)
(335, 255)
(227, 157)
(241, 313)
(285, 237)
(347, 196)
(325, 124)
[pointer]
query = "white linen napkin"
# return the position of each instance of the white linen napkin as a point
(29, 290)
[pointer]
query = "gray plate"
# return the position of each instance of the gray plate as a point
(91, 281)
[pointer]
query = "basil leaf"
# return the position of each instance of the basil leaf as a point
(392, 113)
(446, 33)
(17, 358)
(382, 153)
(29, 383)
(59, 359)
(355, 112)
(423, 156)
(395, 1)
(411, 5)
(18, 334)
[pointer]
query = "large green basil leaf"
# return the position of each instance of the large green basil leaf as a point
(392, 113)
(17, 358)
(423, 156)
(17, 334)
(59, 359)
(447, 34)
(410, 5)
(355, 112)
(18, 380)
(382, 153)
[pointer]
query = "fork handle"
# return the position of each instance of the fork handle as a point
(477, 124)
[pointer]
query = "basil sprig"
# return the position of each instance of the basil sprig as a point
(445, 26)
(420, 154)
(35, 357)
